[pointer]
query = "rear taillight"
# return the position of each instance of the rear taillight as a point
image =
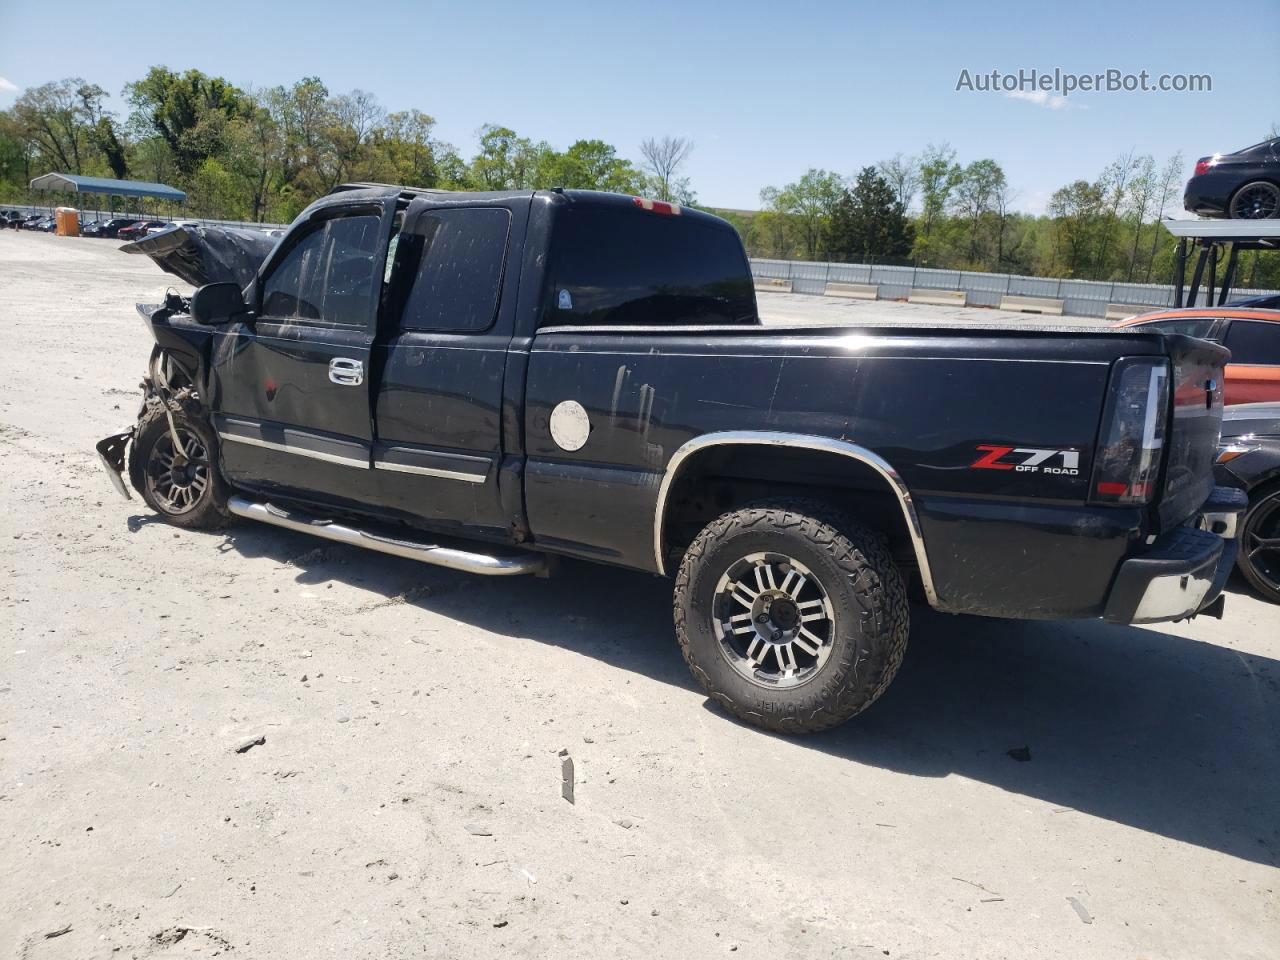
(1205, 164)
(1133, 432)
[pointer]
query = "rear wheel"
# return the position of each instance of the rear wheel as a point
(178, 479)
(1259, 558)
(790, 615)
(1259, 200)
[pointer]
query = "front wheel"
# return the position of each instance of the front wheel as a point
(178, 479)
(790, 615)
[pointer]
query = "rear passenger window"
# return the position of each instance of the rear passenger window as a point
(1188, 328)
(1254, 341)
(459, 255)
(328, 274)
(624, 266)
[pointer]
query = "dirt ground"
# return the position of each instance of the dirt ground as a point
(406, 800)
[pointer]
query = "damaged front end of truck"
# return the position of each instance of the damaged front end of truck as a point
(176, 377)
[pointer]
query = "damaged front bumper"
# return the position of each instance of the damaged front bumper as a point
(1184, 572)
(111, 452)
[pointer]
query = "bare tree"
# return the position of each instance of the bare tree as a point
(1142, 193)
(1115, 184)
(903, 174)
(664, 159)
(1169, 181)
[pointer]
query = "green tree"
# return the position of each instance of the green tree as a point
(590, 165)
(810, 201)
(976, 189)
(188, 111)
(1076, 210)
(868, 223)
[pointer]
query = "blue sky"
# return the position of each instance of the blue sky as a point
(765, 90)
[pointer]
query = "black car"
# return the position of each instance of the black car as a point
(1269, 302)
(585, 374)
(1249, 458)
(110, 229)
(1244, 185)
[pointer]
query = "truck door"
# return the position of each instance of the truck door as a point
(291, 388)
(441, 359)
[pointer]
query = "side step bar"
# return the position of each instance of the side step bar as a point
(454, 559)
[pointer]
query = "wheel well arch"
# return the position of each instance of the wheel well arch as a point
(717, 472)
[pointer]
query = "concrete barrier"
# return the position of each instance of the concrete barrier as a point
(1044, 305)
(770, 285)
(1123, 311)
(939, 298)
(854, 291)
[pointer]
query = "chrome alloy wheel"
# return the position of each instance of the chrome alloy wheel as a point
(773, 620)
(178, 479)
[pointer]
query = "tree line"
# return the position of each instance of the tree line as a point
(265, 154)
(932, 210)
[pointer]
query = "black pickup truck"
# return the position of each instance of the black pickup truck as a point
(487, 381)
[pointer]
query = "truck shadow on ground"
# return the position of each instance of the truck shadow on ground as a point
(1164, 734)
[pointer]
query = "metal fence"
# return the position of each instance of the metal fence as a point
(1081, 298)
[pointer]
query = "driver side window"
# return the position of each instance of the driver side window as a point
(327, 277)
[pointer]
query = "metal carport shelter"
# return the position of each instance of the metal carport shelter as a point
(74, 183)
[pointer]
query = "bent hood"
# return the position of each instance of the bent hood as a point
(201, 255)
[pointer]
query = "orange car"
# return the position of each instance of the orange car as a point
(1252, 336)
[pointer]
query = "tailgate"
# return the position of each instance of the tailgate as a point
(1197, 371)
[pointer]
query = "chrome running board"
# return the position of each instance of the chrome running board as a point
(451, 557)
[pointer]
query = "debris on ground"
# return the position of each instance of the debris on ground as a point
(1080, 910)
(476, 830)
(566, 778)
(250, 744)
(57, 933)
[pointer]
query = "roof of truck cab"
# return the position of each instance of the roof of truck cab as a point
(593, 198)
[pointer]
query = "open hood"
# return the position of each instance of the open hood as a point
(201, 255)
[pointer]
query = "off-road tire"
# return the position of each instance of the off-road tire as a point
(864, 585)
(210, 510)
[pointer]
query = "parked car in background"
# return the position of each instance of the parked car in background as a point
(111, 229)
(1244, 185)
(48, 224)
(30, 221)
(1269, 302)
(1249, 458)
(1252, 336)
(139, 229)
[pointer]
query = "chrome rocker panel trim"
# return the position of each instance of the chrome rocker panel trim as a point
(451, 557)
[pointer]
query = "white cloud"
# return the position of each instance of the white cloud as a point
(7, 86)
(1042, 98)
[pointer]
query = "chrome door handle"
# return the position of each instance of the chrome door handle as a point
(346, 372)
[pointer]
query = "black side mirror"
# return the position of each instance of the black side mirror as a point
(216, 303)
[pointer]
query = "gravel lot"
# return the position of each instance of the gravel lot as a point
(406, 799)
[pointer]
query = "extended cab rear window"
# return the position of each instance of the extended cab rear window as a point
(622, 266)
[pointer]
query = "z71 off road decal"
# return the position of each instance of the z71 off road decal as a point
(1065, 463)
